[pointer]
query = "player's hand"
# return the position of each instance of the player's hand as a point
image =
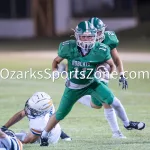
(56, 74)
(3, 128)
(123, 82)
(44, 141)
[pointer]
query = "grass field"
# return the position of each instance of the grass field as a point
(87, 127)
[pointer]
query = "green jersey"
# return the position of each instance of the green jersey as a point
(111, 39)
(81, 68)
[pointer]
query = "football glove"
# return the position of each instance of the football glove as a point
(44, 141)
(10, 133)
(3, 128)
(55, 74)
(123, 81)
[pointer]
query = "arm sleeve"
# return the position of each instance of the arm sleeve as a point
(5, 142)
(113, 41)
(108, 55)
(63, 50)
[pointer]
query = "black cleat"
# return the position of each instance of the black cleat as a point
(135, 125)
(64, 136)
(44, 141)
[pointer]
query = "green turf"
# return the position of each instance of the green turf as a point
(87, 127)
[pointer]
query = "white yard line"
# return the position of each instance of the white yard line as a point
(135, 93)
(125, 56)
(29, 54)
(135, 56)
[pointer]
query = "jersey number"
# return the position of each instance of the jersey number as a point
(111, 33)
(64, 43)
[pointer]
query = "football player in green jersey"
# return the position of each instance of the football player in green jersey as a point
(83, 56)
(110, 39)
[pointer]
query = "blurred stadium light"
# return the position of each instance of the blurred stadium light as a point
(31, 18)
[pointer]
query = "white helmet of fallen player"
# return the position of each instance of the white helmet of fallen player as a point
(39, 104)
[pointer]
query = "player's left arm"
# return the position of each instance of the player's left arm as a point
(111, 64)
(109, 60)
(117, 60)
(55, 63)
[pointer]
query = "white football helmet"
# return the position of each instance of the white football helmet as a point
(38, 105)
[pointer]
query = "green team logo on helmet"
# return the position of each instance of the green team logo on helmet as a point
(85, 34)
(100, 26)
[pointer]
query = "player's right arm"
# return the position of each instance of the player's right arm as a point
(55, 63)
(108, 58)
(63, 53)
(111, 64)
(14, 119)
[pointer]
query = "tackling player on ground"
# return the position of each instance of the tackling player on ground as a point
(83, 56)
(38, 108)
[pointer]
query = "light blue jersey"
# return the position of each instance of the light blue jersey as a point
(10, 143)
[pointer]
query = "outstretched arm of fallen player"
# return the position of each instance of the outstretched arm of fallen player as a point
(14, 119)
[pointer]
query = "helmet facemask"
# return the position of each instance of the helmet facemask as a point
(38, 105)
(32, 113)
(85, 39)
(100, 34)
